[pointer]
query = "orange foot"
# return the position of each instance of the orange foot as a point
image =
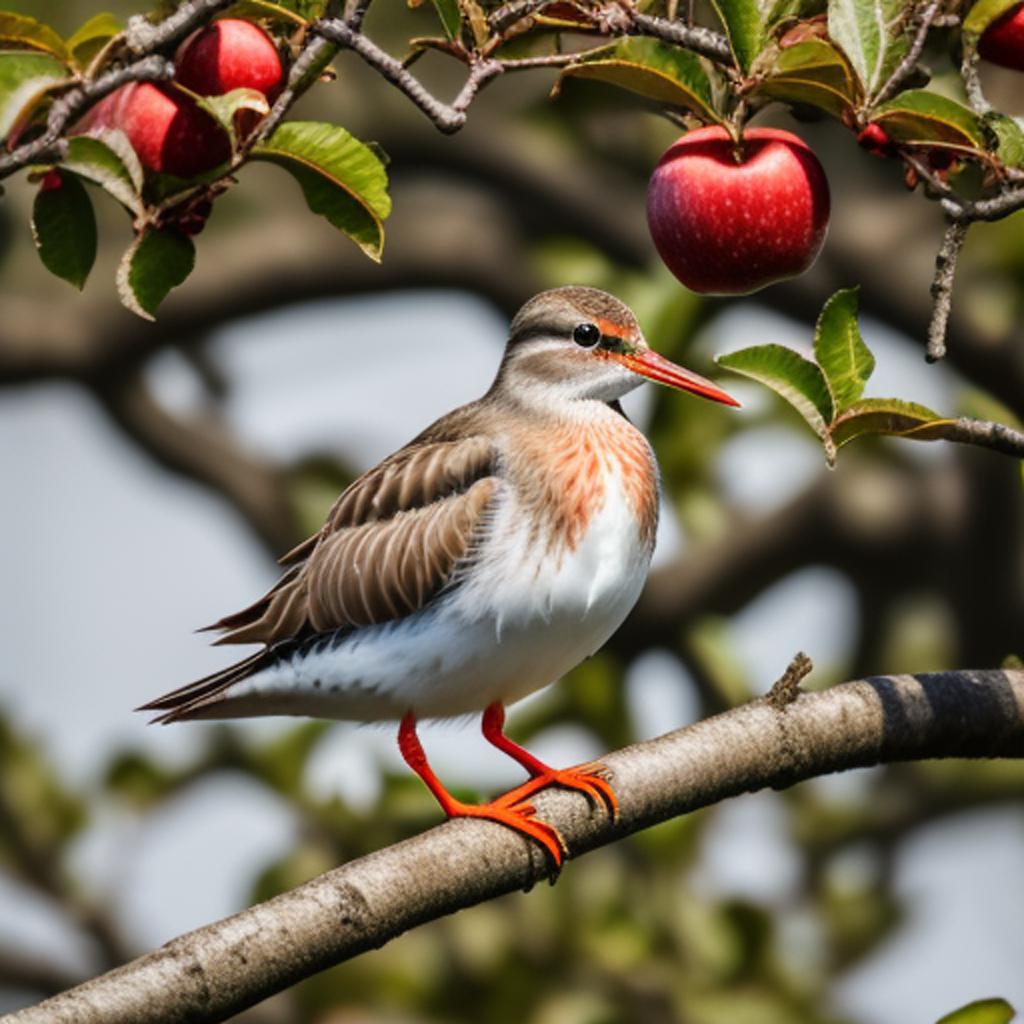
(589, 779)
(518, 816)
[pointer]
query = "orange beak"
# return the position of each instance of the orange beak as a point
(649, 364)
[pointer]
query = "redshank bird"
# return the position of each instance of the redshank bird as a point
(479, 563)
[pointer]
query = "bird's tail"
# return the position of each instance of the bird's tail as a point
(189, 701)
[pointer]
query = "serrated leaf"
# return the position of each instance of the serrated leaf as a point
(105, 156)
(26, 31)
(745, 26)
(920, 117)
(812, 72)
(799, 381)
(1010, 139)
(982, 1011)
(890, 416)
(866, 31)
(224, 108)
(84, 44)
(652, 69)
(156, 262)
(253, 9)
(64, 227)
(983, 13)
(341, 178)
(25, 78)
(840, 350)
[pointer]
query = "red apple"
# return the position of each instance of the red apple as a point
(730, 223)
(1003, 41)
(52, 181)
(229, 54)
(166, 129)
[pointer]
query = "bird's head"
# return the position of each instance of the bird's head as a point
(582, 343)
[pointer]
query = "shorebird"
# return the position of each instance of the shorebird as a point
(479, 563)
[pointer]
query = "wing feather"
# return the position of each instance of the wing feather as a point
(393, 541)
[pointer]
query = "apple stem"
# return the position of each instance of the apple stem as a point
(734, 126)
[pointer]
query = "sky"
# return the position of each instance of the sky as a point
(111, 563)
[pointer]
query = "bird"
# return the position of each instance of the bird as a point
(479, 563)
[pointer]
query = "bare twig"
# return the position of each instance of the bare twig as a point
(708, 44)
(906, 67)
(316, 52)
(996, 436)
(972, 83)
(942, 288)
(446, 117)
(209, 974)
(786, 689)
(508, 14)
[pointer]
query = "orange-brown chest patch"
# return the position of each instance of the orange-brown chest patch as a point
(565, 473)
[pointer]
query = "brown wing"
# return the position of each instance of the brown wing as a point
(391, 542)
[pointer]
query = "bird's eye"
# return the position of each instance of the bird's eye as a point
(587, 335)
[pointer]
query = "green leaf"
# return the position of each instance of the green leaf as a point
(224, 108)
(867, 32)
(105, 156)
(799, 381)
(920, 117)
(450, 15)
(891, 416)
(840, 351)
(652, 69)
(25, 31)
(341, 178)
(24, 79)
(983, 1011)
(744, 22)
(812, 72)
(92, 37)
(64, 227)
(156, 262)
(1010, 138)
(983, 13)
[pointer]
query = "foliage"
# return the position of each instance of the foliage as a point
(827, 392)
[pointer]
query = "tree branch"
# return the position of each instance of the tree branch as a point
(208, 974)
(906, 67)
(942, 288)
(996, 436)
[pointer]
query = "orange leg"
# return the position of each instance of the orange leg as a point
(514, 814)
(586, 778)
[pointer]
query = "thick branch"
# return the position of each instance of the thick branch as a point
(208, 974)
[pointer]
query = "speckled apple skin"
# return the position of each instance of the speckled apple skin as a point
(166, 129)
(728, 228)
(229, 54)
(1003, 41)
